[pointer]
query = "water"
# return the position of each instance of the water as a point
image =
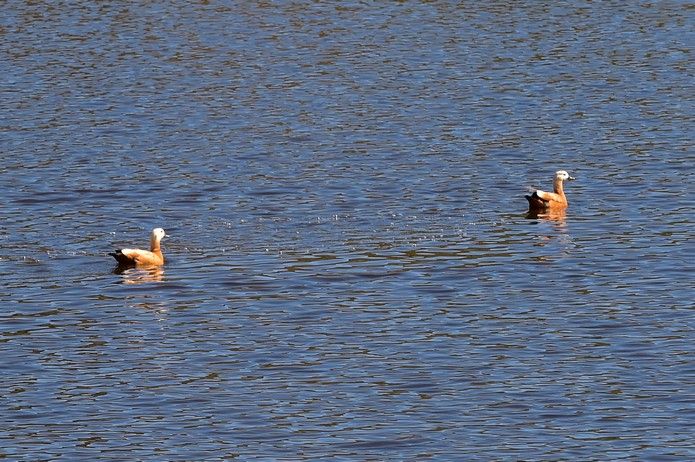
(350, 273)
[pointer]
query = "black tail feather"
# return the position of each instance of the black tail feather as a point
(535, 203)
(120, 258)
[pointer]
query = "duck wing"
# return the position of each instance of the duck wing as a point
(137, 257)
(535, 201)
(122, 258)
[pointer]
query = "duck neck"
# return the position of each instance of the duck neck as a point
(557, 186)
(154, 245)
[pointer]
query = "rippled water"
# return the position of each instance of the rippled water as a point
(351, 274)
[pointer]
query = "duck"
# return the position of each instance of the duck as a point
(556, 201)
(139, 257)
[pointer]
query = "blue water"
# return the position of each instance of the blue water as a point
(350, 272)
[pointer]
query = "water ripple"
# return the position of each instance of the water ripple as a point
(350, 273)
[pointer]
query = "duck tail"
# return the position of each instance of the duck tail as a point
(532, 198)
(120, 258)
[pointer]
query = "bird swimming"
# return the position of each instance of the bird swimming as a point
(139, 257)
(542, 201)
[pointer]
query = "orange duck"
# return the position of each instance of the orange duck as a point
(139, 257)
(550, 202)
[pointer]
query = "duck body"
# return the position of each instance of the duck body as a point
(543, 201)
(140, 257)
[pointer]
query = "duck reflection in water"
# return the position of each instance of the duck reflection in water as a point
(557, 216)
(140, 275)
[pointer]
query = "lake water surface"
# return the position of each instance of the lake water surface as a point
(350, 272)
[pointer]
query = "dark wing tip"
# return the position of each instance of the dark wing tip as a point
(533, 197)
(120, 258)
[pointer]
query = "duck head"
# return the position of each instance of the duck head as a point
(563, 175)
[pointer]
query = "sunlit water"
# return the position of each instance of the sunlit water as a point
(350, 273)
